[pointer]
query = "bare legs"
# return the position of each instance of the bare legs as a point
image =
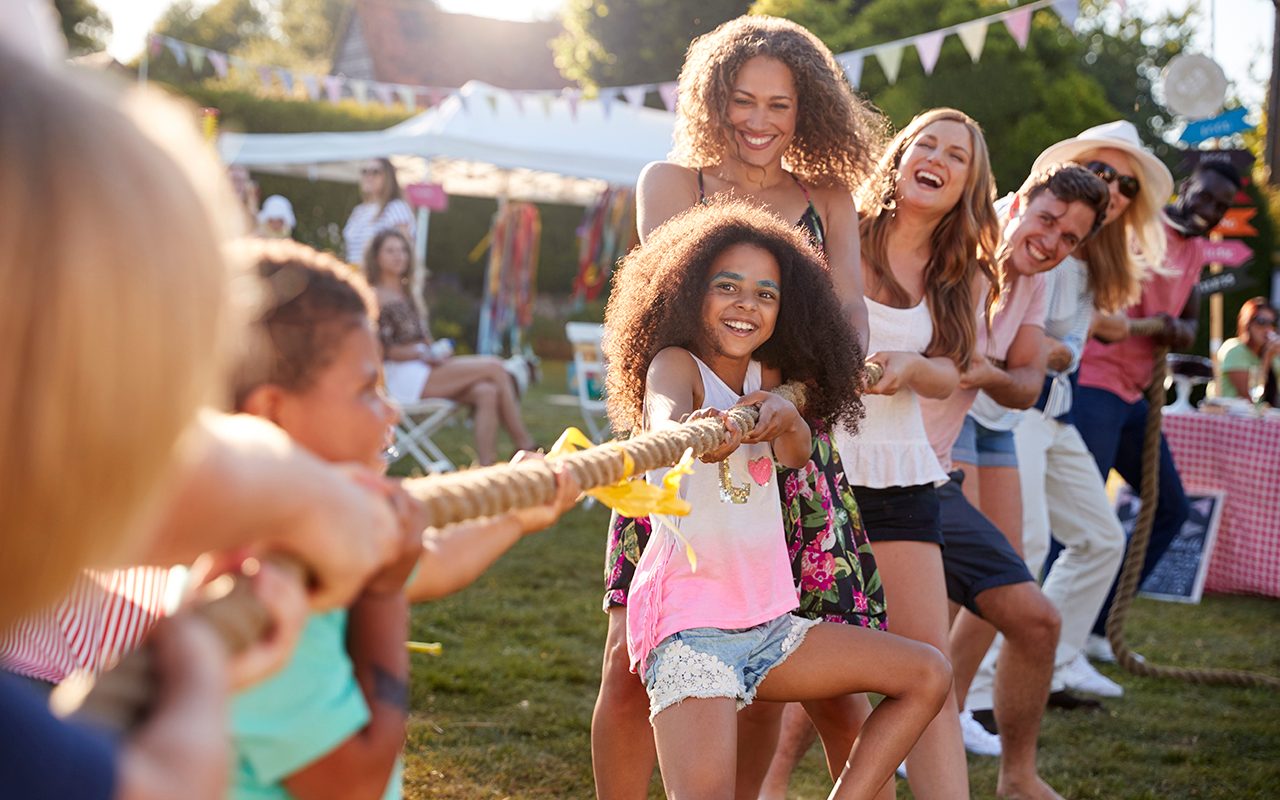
(482, 383)
(622, 749)
(838, 721)
(997, 493)
(1030, 626)
(915, 591)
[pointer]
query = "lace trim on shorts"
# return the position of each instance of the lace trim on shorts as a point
(685, 672)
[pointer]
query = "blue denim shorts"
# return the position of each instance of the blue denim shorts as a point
(979, 445)
(711, 662)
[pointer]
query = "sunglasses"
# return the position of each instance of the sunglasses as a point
(371, 171)
(1265, 322)
(1129, 185)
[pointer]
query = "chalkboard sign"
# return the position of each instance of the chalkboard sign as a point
(1180, 573)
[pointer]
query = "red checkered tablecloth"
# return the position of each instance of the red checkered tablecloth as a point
(1239, 456)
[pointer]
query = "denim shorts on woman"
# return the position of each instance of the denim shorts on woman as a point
(711, 662)
(978, 444)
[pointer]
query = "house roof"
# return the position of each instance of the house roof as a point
(413, 42)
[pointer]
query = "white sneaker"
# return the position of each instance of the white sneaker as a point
(1080, 675)
(976, 738)
(1098, 648)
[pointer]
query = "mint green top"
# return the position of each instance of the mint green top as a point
(1235, 355)
(299, 714)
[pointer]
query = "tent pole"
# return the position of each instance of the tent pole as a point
(420, 273)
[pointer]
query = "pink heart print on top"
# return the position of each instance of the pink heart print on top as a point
(761, 469)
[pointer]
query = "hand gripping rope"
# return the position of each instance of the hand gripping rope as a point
(119, 699)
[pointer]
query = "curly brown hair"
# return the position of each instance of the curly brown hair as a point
(963, 244)
(310, 301)
(657, 300)
(838, 135)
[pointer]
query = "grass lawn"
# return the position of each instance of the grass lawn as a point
(506, 711)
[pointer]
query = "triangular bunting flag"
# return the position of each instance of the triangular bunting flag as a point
(359, 90)
(973, 36)
(634, 94)
(890, 59)
(196, 54)
(607, 97)
(1068, 10)
(492, 100)
(406, 95)
(852, 64)
(573, 96)
(518, 98)
(382, 91)
(219, 62)
(545, 98)
(179, 52)
(264, 77)
(667, 91)
(1019, 25)
(286, 79)
(238, 63)
(928, 46)
(312, 85)
(333, 87)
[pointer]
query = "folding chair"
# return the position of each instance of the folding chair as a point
(589, 366)
(418, 422)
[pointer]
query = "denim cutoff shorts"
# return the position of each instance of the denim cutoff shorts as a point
(983, 447)
(713, 662)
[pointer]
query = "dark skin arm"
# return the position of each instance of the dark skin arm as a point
(1180, 332)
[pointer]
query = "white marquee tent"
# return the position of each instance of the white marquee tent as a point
(484, 142)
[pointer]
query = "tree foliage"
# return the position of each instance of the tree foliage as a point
(619, 42)
(1025, 100)
(84, 25)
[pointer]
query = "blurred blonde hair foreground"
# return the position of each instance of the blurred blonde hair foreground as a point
(113, 308)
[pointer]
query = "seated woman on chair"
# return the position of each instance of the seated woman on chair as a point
(414, 372)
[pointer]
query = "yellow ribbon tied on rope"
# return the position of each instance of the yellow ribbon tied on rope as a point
(637, 498)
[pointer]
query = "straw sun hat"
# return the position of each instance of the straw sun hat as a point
(1121, 135)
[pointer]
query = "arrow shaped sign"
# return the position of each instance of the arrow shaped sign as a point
(1227, 253)
(1225, 281)
(1242, 160)
(1236, 223)
(1224, 124)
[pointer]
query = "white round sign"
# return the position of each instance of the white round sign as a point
(1194, 86)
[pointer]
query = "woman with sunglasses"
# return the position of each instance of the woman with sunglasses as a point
(1057, 478)
(381, 207)
(1256, 344)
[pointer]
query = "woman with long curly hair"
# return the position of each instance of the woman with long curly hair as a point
(717, 306)
(765, 113)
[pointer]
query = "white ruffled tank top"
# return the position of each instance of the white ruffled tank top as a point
(892, 447)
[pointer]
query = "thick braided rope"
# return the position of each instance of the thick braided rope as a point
(1137, 550)
(494, 490)
(119, 699)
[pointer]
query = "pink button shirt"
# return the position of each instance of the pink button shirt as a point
(1023, 303)
(1124, 367)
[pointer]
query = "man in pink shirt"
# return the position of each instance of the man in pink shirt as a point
(1055, 210)
(1110, 410)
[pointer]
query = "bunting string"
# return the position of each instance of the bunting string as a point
(335, 88)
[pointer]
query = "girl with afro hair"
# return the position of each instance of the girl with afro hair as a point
(722, 303)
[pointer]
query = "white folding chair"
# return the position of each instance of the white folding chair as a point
(418, 422)
(589, 367)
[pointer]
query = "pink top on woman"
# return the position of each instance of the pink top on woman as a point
(743, 575)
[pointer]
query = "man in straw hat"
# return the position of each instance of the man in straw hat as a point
(1060, 487)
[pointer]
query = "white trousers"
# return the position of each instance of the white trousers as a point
(1062, 492)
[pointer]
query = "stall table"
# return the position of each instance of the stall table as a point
(1240, 457)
